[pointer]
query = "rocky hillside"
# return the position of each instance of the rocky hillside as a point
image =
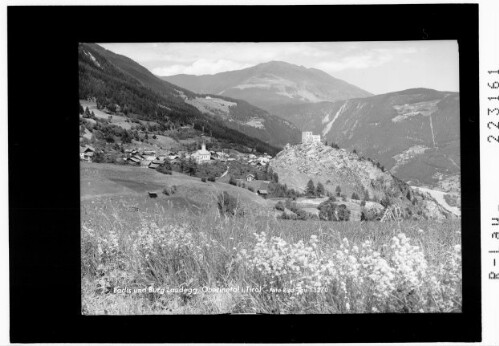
(414, 133)
(272, 84)
(115, 79)
(297, 164)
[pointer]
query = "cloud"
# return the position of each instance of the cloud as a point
(364, 60)
(199, 67)
(209, 58)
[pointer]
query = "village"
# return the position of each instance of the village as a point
(152, 158)
(148, 158)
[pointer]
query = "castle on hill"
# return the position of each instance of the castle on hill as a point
(309, 137)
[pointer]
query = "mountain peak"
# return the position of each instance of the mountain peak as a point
(277, 63)
(271, 84)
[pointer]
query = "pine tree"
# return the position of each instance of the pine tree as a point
(338, 191)
(320, 189)
(275, 177)
(310, 188)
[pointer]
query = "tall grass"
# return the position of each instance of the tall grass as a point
(204, 264)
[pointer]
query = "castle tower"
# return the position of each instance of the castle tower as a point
(305, 136)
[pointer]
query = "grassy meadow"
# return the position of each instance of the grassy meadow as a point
(164, 258)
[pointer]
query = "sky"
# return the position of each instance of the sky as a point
(377, 67)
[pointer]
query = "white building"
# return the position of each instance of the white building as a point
(202, 155)
(309, 137)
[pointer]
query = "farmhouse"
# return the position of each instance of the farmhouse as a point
(250, 177)
(134, 160)
(262, 192)
(86, 153)
(156, 163)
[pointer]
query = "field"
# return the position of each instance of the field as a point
(177, 255)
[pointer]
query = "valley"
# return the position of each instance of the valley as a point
(278, 176)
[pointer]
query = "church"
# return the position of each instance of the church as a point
(202, 155)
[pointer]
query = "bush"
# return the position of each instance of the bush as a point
(301, 214)
(327, 211)
(203, 179)
(232, 181)
(291, 205)
(280, 206)
(228, 205)
(385, 202)
(211, 178)
(369, 215)
(286, 216)
(165, 168)
(343, 213)
(170, 190)
(363, 203)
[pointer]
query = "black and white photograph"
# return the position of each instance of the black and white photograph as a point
(270, 177)
(251, 172)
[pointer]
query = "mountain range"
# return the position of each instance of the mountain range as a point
(114, 78)
(414, 133)
(271, 85)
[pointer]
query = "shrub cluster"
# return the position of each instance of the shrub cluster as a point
(280, 206)
(228, 205)
(330, 211)
(170, 190)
